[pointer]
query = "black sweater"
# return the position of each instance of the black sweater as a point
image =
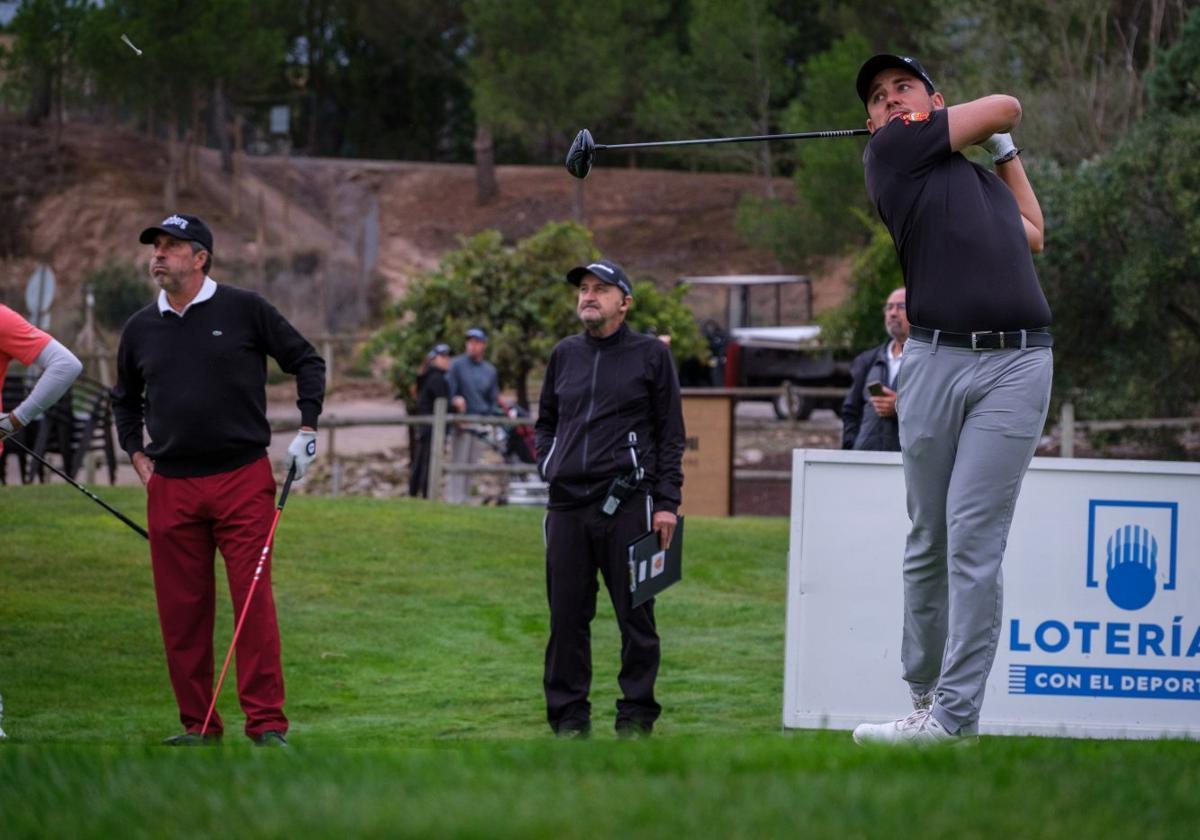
(198, 382)
(597, 391)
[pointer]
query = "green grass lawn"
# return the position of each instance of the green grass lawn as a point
(413, 636)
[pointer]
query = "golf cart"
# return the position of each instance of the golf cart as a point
(746, 354)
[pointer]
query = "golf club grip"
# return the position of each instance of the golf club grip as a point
(287, 486)
(803, 135)
(80, 488)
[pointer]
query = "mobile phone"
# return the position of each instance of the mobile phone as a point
(875, 388)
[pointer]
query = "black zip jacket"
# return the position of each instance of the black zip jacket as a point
(597, 391)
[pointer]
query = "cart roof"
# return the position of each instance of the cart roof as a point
(745, 280)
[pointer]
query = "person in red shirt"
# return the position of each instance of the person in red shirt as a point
(22, 341)
(25, 343)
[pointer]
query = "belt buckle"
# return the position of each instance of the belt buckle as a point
(975, 336)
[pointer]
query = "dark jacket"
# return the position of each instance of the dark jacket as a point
(430, 385)
(862, 428)
(595, 393)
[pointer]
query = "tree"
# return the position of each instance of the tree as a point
(1078, 66)
(47, 37)
(1174, 82)
(830, 194)
(875, 272)
(732, 80)
(540, 71)
(1120, 270)
(518, 294)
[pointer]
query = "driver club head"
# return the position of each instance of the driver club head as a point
(579, 158)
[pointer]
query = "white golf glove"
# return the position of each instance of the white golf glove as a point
(8, 425)
(301, 452)
(1001, 147)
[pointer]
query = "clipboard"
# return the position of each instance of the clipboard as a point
(651, 569)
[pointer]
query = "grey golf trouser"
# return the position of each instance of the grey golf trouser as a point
(969, 424)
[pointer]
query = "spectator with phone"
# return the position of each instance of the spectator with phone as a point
(869, 418)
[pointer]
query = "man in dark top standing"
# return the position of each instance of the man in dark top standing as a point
(610, 408)
(975, 383)
(869, 420)
(431, 384)
(192, 368)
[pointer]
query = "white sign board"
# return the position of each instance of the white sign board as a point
(280, 118)
(1101, 631)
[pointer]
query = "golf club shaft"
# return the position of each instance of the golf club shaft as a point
(802, 135)
(80, 487)
(258, 570)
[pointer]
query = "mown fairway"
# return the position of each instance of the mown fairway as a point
(412, 639)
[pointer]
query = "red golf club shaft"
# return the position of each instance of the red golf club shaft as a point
(258, 570)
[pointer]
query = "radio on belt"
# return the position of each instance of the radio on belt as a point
(623, 486)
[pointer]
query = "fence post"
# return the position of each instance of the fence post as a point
(327, 352)
(437, 445)
(1066, 426)
(789, 401)
(335, 466)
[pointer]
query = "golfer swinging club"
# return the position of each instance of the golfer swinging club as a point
(975, 383)
(193, 367)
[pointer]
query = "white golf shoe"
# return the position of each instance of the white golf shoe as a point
(920, 728)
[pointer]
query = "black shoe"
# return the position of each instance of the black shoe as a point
(270, 738)
(627, 728)
(193, 739)
(573, 729)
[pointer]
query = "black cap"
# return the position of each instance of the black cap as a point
(605, 270)
(477, 332)
(181, 227)
(883, 61)
(438, 350)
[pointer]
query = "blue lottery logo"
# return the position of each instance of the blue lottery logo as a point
(1132, 550)
(1132, 565)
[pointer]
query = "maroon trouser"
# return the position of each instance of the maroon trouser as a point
(189, 519)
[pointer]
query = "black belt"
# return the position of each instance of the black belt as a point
(984, 340)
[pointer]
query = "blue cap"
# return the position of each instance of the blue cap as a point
(476, 332)
(604, 270)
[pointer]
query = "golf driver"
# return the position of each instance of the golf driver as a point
(579, 158)
(79, 487)
(258, 570)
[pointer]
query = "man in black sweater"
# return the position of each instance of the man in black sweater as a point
(192, 371)
(610, 404)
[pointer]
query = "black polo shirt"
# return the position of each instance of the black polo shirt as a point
(957, 228)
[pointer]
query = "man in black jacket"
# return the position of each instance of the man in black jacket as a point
(610, 412)
(869, 420)
(192, 372)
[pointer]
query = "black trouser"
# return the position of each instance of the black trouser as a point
(577, 543)
(418, 470)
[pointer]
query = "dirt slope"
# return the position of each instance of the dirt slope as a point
(661, 224)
